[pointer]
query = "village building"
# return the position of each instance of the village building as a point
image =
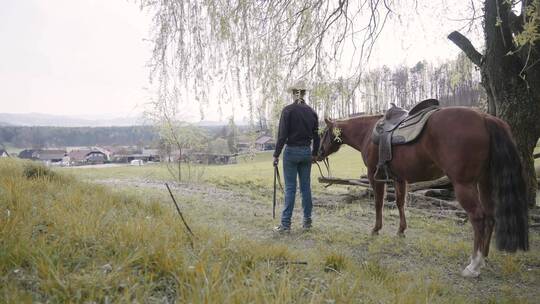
(44, 155)
(212, 158)
(152, 155)
(3, 153)
(84, 157)
(265, 143)
(50, 155)
(243, 146)
(171, 156)
(147, 155)
(29, 154)
(108, 153)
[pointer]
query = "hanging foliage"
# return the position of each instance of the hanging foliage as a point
(249, 50)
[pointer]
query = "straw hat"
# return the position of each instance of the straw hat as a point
(299, 85)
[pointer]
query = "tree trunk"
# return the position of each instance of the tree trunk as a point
(512, 84)
(511, 95)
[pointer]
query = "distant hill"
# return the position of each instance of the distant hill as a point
(45, 130)
(212, 123)
(105, 120)
(209, 123)
(51, 137)
(54, 137)
(48, 120)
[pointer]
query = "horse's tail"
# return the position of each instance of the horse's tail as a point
(507, 189)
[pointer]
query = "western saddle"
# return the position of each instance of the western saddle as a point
(399, 126)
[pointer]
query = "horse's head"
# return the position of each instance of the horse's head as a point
(330, 141)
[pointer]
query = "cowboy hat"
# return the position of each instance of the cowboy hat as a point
(299, 85)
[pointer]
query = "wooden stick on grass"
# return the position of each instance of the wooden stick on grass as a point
(179, 212)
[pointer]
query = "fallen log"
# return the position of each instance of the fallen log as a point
(343, 181)
(437, 183)
(415, 199)
(445, 194)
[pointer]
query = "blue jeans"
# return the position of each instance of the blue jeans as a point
(297, 161)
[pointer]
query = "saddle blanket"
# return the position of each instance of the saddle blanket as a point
(408, 130)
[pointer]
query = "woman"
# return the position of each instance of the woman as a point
(298, 127)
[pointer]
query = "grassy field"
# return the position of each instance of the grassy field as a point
(63, 239)
(256, 171)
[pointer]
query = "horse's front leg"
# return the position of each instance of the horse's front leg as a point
(401, 191)
(378, 191)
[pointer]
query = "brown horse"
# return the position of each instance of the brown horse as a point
(475, 150)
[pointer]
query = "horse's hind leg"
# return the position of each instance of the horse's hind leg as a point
(401, 191)
(468, 197)
(488, 205)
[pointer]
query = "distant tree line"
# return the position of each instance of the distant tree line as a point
(455, 82)
(51, 137)
(45, 137)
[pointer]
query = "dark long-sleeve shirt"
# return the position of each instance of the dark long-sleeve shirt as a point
(298, 126)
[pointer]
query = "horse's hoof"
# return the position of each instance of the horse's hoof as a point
(374, 233)
(469, 273)
(401, 234)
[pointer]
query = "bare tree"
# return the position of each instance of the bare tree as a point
(177, 139)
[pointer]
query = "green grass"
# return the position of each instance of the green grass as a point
(253, 173)
(66, 240)
(63, 240)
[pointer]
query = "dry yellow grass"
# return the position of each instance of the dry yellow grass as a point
(65, 240)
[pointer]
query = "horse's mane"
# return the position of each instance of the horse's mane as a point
(359, 116)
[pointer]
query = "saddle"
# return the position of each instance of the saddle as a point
(399, 126)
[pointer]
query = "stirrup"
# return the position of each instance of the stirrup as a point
(386, 178)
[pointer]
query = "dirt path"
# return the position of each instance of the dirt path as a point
(255, 209)
(240, 212)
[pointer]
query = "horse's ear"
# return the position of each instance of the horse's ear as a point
(328, 121)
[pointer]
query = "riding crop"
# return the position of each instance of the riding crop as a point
(277, 179)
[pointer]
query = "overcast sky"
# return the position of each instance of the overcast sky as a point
(88, 57)
(72, 57)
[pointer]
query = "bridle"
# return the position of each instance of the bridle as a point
(326, 160)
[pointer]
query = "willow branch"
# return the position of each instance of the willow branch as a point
(466, 46)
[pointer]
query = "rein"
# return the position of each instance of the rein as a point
(326, 163)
